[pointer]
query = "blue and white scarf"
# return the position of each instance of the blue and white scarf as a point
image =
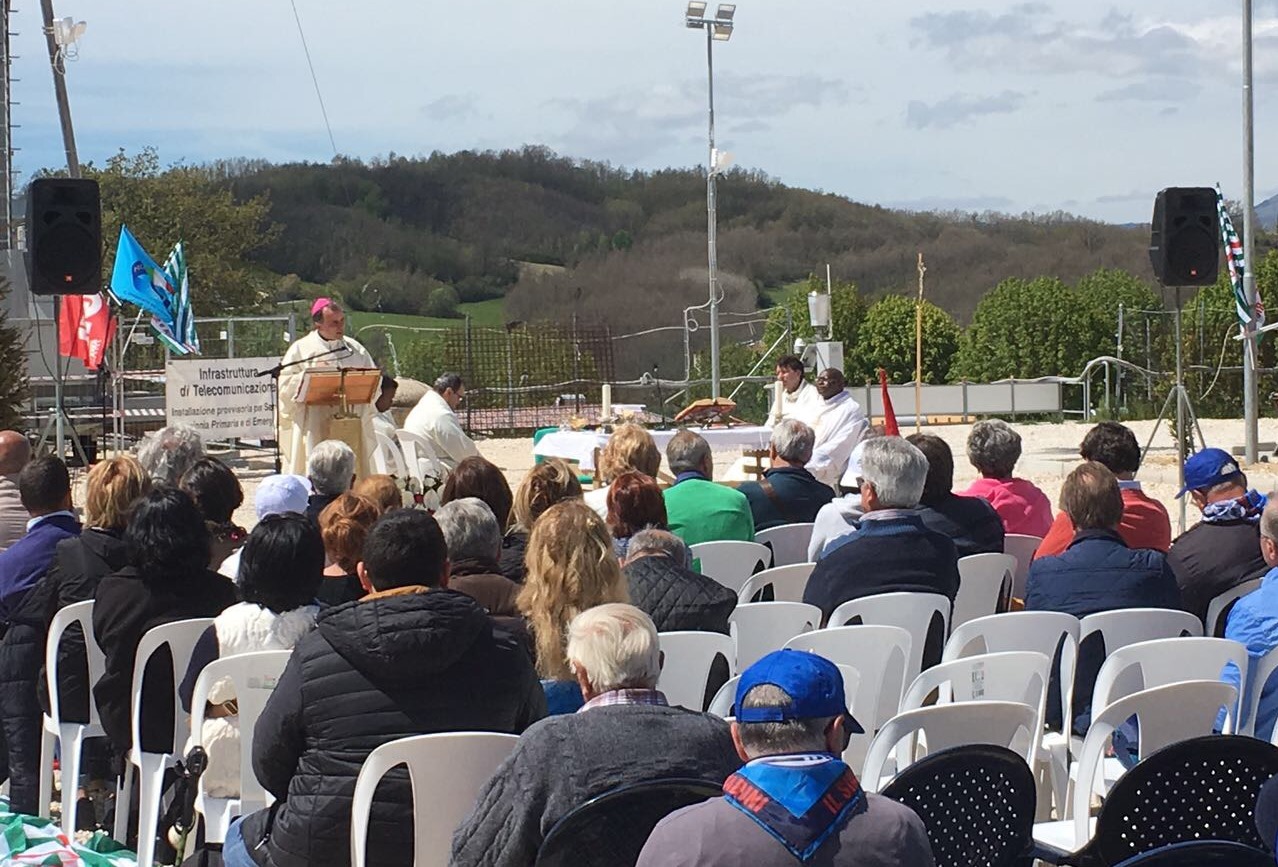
(799, 799)
(1245, 508)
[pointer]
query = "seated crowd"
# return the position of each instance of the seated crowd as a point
(537, 612)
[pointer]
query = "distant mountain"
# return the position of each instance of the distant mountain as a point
(1267, 212)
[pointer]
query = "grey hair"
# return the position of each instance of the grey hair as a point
(657, 542)
(617, 647)
(470, 529)
(687, 452)
(1269, 519)
(993, 447)
(168, 453)
(331, 467)
(779, 738)
(897, 469)
(447, 381)
(793, 441)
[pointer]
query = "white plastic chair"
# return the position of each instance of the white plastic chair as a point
(984, 581)
(1022, 547)
(1262, 669)
(758, 628)
(71, 735)
(721, 705)
(914, 612)
(1166, 714)
(459, 763)
(685, 668)
(731, 563)
(253, 678)
(180, 637)
(387, 457)
(1130, 625)
(787, 582)
(420, 456)
(1001, 723)
(1216, 608)
(881, 655)
(1019, 676)
(1042, 632)
(789, 543)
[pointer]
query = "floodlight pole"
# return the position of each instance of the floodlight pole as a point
(712, 224)
(60, 90)
(1250, 408)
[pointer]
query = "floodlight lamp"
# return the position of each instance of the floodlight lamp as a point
(695, 24)
(722, 32)
(696, 9)
(726, 11)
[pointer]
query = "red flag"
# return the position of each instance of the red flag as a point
(890, 426)
(85, 328)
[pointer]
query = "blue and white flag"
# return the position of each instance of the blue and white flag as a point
(182, 338)
(136, 279)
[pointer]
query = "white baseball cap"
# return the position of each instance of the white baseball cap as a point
(281, 495)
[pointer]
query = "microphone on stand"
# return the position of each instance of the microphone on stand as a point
(661, 404)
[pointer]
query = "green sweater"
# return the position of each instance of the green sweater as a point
(701, 511)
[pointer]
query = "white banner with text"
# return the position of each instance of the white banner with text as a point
(222, 398)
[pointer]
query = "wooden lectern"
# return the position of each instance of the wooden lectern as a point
(344, 388)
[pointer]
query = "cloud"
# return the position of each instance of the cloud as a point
(954, 203)
(1123, 198)
(453, 106)
(1152, 90)
(960, 107)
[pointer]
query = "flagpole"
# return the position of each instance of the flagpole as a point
(1250, 402)
(918, 349)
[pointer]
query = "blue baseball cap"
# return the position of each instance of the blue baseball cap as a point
(1207, 468)
(814, 684)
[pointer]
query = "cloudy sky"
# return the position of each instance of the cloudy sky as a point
(1085, 106)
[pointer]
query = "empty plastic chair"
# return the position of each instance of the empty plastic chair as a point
(1165, 715)
(1022, 547)
(758, 628)
(253, 677)
(685, 666)
(731, 563)
(1219, 607)
(420, 457)
(180, 637)
(881, 656)
(387, 457)
(985, 584)
(923, 615)
(71, 735)
(1006, 724)
(1147, 664)
(789, 543)
(785, 582)
(459, 763)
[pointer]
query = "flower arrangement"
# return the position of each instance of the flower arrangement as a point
(420, 495)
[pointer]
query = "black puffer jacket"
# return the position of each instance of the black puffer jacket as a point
(677, 598)
(405, 663)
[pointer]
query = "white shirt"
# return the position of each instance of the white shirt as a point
(597, 499)
(435, 420)
(841, 427)
(384, 423)
(804, 404)
(836, 518)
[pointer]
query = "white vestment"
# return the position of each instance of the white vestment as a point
(804, 404)
(842, 425)
(435, 420)
(309, 424)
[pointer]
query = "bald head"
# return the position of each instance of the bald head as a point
(15, 452)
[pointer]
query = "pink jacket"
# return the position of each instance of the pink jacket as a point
(1022, 506)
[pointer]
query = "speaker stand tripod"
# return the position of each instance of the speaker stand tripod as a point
(59, 420)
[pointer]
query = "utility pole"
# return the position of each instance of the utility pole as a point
(1250, 402)
(58, 64)
(9, 232)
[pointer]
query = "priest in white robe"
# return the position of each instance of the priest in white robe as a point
(330, 349)
(842, 424)
(799, 399)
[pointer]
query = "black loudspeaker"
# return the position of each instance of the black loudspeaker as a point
(1184, 241)
(64, 236)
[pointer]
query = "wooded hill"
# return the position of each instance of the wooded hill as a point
(393, 232)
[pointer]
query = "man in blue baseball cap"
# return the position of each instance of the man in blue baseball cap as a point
(1223, 550)
(794, 801)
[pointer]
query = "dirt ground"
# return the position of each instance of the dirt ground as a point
(1050, 452)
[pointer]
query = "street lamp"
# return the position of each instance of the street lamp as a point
(717, 29)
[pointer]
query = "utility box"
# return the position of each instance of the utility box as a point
(826, 354)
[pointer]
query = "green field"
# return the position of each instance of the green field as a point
(482, 313)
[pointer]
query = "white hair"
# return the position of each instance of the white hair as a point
(168, 453)
(793, 441)
(897, 469)
(470, 529)
(617, 647)
(331, 467)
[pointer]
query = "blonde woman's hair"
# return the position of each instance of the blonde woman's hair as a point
(571, 567)
(382, 490)
(630, 448)
(547, 484)
(114, 484)
(344, 526)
